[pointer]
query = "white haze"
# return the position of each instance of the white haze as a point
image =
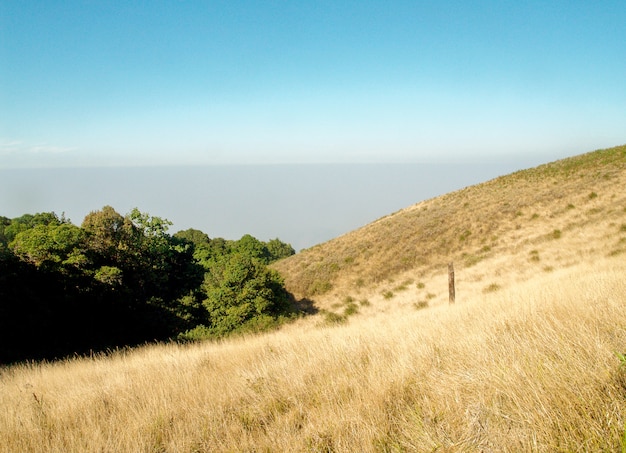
(301, 204)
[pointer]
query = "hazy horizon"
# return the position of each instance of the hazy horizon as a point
(301, 204)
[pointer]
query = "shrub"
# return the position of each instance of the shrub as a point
(465, 235)
(334, 318)
(319, 287)
(534, 256)
(351, 309)
(492, 288)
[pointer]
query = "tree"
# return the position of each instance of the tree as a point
(278, 249)
(123, 280)
(250, 246)
(241, 291)
(192, 235)
(4, 223)
(52, 245)
(111, 237)
(9, 230)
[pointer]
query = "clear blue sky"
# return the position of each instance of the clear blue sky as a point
(207, 82)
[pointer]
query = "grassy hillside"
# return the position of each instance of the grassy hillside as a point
(530, 358)
(531, 221)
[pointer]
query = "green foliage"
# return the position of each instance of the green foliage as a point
(4, 223)
(148, 225)
(197, 237)
(334, 318)
(350, 309)
(264, 252)
(109, 275)
(122, 280)
(111, 237)
(279, 250)
(403, 286)
(250, 246)
(198, 333)
(51, 245)
(319, 287)
(240, 288)
(9, 229)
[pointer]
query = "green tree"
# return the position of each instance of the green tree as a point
(9, 230)
(250, 246)
(241, 291)
(278, 249)
(111, 237)
(192, 235)
(53, 245)
(4, 223)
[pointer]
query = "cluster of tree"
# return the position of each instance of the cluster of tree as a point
(124, 280)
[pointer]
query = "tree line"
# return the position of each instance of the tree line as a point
(119, 281)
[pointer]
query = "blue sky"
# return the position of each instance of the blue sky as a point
(95, 83)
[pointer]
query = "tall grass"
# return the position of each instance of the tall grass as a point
(531, 367)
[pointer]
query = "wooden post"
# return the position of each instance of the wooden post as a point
(451, 293)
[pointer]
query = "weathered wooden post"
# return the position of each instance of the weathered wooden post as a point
(451, 292)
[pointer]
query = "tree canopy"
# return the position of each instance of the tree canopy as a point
(119, 280)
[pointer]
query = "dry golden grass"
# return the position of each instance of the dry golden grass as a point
(532, 368)
(528, 359)
(507, 217)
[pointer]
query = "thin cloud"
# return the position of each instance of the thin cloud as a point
(20, 147)
(22, 154)
(10, 146)
(51, 149)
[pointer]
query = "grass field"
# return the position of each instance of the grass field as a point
(529, 358)
(533, 368)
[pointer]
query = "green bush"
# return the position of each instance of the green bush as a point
(351, 309)
(239, 291)
(319, 287)
(334, 318)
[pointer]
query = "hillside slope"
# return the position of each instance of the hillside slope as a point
(530, 358)
(513, 227)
